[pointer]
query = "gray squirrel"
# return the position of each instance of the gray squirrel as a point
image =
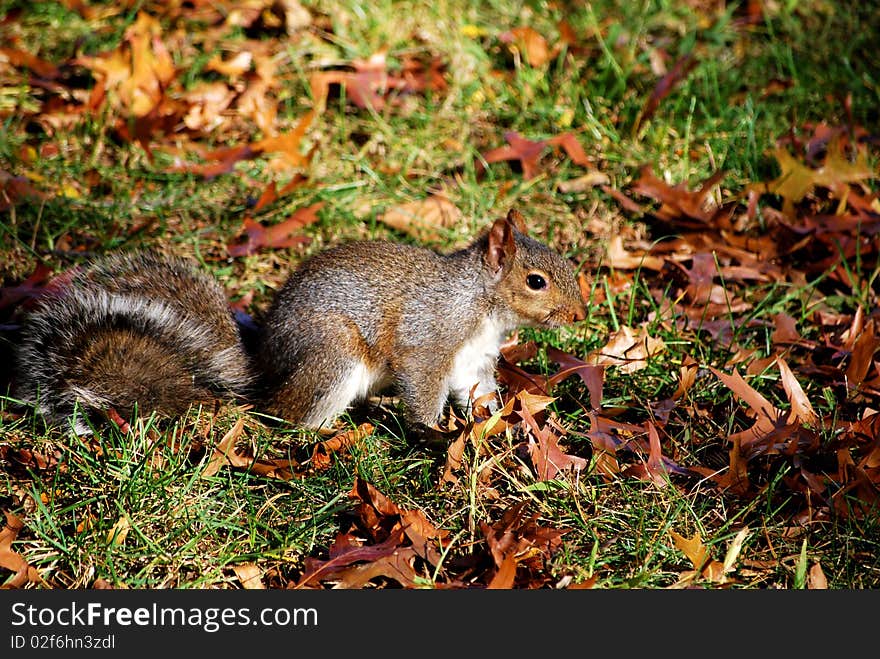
(153, 332)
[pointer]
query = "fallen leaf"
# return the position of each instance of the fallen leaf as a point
(528, 152)
(250, 576)
(692, 547)
(224, 450)
(582, 183)
(664, 87)
(816, 578)
(531, 43)
(627, 348)
(11, 560)
(424, 219)
(277, 236)
(796, 180)
(341, 441)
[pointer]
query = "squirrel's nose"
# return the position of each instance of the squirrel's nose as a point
(579, 313)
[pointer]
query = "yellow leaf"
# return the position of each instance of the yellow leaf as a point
(117, 535)
(692, 547)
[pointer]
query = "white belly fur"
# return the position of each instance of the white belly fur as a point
(475, 361)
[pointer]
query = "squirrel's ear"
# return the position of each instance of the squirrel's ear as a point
(501, 249)
(516, 219)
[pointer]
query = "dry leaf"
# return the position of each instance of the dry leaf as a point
(425, 219)
(627, 348)
(250, 576)
(816, 578)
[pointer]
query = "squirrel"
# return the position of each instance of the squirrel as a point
(363, 315)
(152, 332)
(139, 330)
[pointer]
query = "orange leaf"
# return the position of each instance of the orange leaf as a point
(530, 42)
(693, 548)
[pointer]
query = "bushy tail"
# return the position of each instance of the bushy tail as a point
(102, 347)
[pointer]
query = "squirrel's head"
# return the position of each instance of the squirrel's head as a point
(532, 280)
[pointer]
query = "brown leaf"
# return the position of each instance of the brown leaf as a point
(250, 575)
(572, 147)
(616, 256)
(655, 468)
(365, 86)
(31, 287)
(16, 189)
(592, 375)
(277, 236)
(582, 183)
(347, 551)
(138, 71)
(233, 67)
(628, 349)
(339, 442)
(425, 219)
(547, 456)
(224, 452)
(23, 59)
(801, 410)
(686, 208)
(11, 560)
(797, 180)
(454, 458)
(397, 566)
(665, 85)
(816, 578)
(861, 358)
(287, 146)
(221, 161)
(528, 152)
(505, 575)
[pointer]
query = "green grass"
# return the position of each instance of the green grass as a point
(176, 528)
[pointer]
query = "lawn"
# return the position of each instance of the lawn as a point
(709, 167)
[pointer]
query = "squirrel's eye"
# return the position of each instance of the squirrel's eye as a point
(536, 282)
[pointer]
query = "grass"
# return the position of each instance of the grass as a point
(137, 509)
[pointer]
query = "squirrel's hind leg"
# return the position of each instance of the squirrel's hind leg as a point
(316, 385)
